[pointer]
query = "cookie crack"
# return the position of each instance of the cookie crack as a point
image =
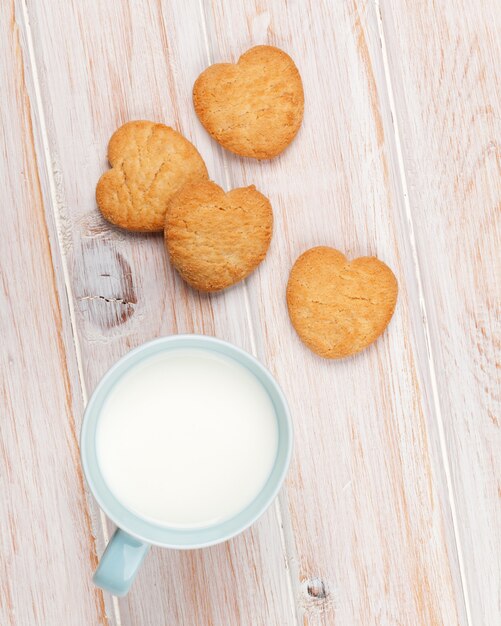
(348, 297)
(148, 138)
(131, 204)
(155, 176)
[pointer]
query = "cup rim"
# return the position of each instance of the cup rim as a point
(91, 471)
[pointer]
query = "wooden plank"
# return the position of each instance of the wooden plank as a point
(110, 63)
(371, 528)
(444, 60)
(48, 550)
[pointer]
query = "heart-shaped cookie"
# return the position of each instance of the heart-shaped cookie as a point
(254, 107)
(149, 164)
(215, 239)
(339, 307)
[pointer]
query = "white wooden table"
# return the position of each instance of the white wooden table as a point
(391, 512)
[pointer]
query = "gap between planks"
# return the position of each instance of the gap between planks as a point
(396, 148)
(47, 159)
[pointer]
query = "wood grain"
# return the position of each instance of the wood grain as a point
(448, 106)
(48, 551)
(370, 520)
(112, 63)
(391, 510)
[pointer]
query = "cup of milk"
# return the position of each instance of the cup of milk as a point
(185, 443)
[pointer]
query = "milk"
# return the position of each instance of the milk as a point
(187, 438)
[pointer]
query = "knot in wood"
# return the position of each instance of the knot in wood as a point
(316, 589)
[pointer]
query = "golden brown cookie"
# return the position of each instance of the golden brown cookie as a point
(254, 107)
(215, 239)
(149, 164)
(339, 307)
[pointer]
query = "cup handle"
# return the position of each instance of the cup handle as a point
(120, 562)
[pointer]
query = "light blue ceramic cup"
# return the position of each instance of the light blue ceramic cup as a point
(134, 535)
